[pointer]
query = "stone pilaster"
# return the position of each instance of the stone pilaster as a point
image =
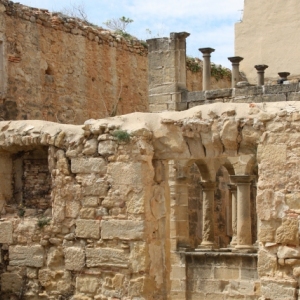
(167, 72)
(235, 73)
(260, 74)
(206, 67)
(244, 236)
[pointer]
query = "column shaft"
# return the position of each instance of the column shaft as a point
(208, 236)
(233, 196)
(235, 73)
(206, 75)
(244, 236)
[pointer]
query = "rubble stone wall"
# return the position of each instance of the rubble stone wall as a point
(62, 69)
(119, 223)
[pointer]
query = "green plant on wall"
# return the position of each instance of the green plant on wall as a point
(42, 222)
(192, 64)
(121, 136)
(219, 72)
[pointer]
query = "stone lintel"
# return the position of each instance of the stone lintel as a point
(235, 59)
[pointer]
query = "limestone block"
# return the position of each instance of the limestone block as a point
(88, 229)
(96, 257)
(278, 289)
(267, 263)
(31, 256)
(11, 282)
(54, 257)
(74, 258)
(270, 205)
(266, 234)
(273, 154)
(213, 94)
(90, 201)
(87, 284)
(72, 209)
(6, 230)
(87, 213)
(229, 134)
(122, 229)
(138, 257)
(106, 148)
(90, 147)
(88, 165)
(130, 173)
(46, 276)
(287, 233)
(293, 200)
(288, 252)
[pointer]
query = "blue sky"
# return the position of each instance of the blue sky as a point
(210, 22)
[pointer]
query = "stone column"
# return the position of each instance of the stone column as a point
(167, 72)
(206, 67)
(261, 74)
(235, 73)
(244, 236)
(233, 197)
(208, 235)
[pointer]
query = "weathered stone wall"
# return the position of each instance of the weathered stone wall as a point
(222, 276)
(119, 224)
(61, 69)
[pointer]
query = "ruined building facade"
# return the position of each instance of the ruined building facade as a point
(196, 199)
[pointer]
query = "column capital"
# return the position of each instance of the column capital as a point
(241, 178)
(180, 35)
(284, 75)
(208, 185)
(206, 51)
(261, 68)
(235, 59)
(231, 187)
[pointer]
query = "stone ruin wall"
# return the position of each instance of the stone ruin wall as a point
(120, 208)
(63, 70)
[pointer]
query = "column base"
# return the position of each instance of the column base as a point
(244, 249)
(204, 246)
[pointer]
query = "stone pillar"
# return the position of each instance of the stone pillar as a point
(244, 236)
(206, 67)
(208, 235)
(167, 72)
(261, 74)
(235, 73)
(233, 197)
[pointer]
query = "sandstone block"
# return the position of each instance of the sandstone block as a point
(138, 257)
(87, 284)
(87, 213)
(90, 147)
(106, 148)
(31, 256)
(74, 258)
(273, 154)
(131, 174)
(279, 289)
(6, 230)
(122, 229)
(90, 201)
(267, 263)
(11, 282)
(88, 165)
(287, 233)
(88, 229)
(96, 257)
(226, 273)
(288, 252)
